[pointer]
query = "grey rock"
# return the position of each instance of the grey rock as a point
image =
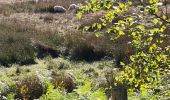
(73, 7)
(59, 9)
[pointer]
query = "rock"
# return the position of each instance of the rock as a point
(72, 7)
(59, 9)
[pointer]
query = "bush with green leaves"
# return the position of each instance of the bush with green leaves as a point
(145, 31)
(86, 92)
(82, 92)
(52, 93)
(7, 86)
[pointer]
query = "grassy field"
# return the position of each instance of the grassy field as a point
(46, 55)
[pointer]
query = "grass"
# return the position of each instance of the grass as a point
(38, 43)
(43, 72)
(97, 72)
(32, 6)
(15, 46)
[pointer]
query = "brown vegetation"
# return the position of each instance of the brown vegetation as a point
(63, 80)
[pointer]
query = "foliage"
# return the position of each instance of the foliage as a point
(83, 92)
(29, 87)
(52, 93)
(7, 87)
(145, 31)
(86, 92)
(11, 96)
(63, 80)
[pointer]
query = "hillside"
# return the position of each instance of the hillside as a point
(50, 55)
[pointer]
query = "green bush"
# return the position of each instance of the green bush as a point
(82, 92)
(52, 93)
(7, 86)
(145, 31)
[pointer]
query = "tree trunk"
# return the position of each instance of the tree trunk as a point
(119, 93)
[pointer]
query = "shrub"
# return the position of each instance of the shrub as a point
(83, 92)
(63, 80)
(43, 49)
(29, 88)
(85, 46)
(59, 64)
(52, 93)
(7, 86)
(146, 34)
(86, 92)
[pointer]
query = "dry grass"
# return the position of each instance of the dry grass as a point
(47, 39)
(57, 34)
(32, 6)
(15, 46)
(86, 46)
(91, 18)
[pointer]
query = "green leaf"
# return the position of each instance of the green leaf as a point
(79, 15)
(133, 34)
(122, 64)
(121, 33)
(132, 58)
(155, 20)
(98, 95)
(98, 34)
(164, 17)
(99, 26)
(143, 89)
(146, 69)
(141, 27)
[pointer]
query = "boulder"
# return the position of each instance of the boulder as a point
(59, 9)
(73, 7)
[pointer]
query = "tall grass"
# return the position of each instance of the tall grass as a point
(16, 42)
(15, 46)
(32, 6)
